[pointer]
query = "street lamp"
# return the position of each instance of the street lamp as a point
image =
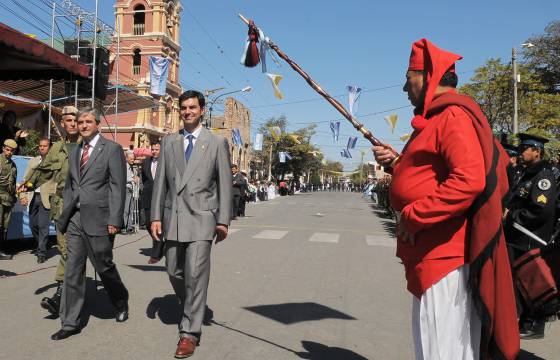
(516, 79)
(245, 89)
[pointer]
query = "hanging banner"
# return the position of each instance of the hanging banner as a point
(159, 67)
(236, 137)
(392, 121)
(282, 157)
(257, 146)
(335, 129)
(275, 131)
(354, 93)
(351, 142)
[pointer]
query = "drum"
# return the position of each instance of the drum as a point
(537, 276)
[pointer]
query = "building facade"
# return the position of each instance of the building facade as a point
(146, 28)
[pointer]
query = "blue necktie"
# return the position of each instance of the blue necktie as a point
(188, 151)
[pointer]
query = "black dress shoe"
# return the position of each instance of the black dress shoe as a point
(63, 334)
(533, 331)
(4, 256)
(122, 316)
(41, 259)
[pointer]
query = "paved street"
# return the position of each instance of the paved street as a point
(313, 276)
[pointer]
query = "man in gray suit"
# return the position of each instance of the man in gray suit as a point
(93, 200)
(191, 204)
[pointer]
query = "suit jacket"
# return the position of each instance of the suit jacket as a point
(147, 183)
(99, 192)
(47, 189)
(190, 199)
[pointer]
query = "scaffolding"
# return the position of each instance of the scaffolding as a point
(90, 33)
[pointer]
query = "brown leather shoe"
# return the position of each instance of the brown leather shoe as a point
(185, 348)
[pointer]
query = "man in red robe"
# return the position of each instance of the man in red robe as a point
(447, 188)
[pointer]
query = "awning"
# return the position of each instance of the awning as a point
(22, 57)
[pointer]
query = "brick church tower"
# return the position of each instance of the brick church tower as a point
(147, 28)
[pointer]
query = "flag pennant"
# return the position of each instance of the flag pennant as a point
(335, 129)
(404, 137)
(236, 137)
(275, 80)
(288, 156)
(295, 138)
(354, 93)
(275, 131)
(351, 142)
(392, 121)
(257, 146)
(346, 154)
(283, 156)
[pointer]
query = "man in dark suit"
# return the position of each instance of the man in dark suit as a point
(239, 190)
(149, 168)
(93, 199)
(191, 205)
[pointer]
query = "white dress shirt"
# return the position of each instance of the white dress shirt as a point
(195, 135)
(91, 145)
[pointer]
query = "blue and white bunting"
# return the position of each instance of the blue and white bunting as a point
(335, 129)
(354, 93)
(351, 142)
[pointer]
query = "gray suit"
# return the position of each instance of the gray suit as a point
(191, 199)
(91, 202)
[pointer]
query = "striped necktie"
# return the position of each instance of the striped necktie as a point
(85, 157)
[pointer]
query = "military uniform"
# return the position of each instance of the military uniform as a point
(531, 204)
(55, 166)
(8, 174)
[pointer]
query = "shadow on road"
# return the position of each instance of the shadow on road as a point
(45, 288)
(167, 308)
(291, 313)
(390, 227)
(145, 251)
(148, 267)
(97, 302)
(313, 350)
(526, 355)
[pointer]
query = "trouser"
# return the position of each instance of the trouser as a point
(188, 267)
(39, 221)
(61, 242)
(445, 324)
(99, 249)
(236, 200)
(5, 213)
(129, 210)
(242, 203)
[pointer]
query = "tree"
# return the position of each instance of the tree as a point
(306, 157)
(544, 57)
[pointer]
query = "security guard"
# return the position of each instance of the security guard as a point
(55, 166)
(8, 175)
(532, 206)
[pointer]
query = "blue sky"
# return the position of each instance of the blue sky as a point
(364, 43)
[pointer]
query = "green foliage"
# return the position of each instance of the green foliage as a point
(31, 147)
(305, 156)
(538, 91)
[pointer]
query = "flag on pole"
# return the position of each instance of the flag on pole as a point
(236, 137)
(351, 142)
(354, 93)
(257, 146)
(159, 67)
(335, 129)
(275, 131)
(275, 80)
(392, 121)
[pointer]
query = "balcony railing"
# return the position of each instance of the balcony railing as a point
(136, 69)
(139, 29)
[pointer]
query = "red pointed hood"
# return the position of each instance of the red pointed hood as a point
(427, 57)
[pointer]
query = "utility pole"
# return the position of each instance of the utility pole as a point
(515, 80)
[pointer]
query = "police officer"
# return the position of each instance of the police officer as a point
(8, 175)
(532, 205)
(55, 166)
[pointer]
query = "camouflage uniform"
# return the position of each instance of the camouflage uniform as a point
(8, 175)
(55, 166)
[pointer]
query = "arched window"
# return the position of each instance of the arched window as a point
(139, 19)
(136, 62)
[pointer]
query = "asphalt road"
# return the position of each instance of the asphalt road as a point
(313, 276)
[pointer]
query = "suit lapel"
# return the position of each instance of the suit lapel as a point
(179, 153)
(96, 150)
(196, 157)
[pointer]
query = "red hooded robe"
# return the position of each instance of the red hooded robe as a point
(451, 208)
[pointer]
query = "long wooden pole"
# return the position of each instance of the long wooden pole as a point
(337, 105)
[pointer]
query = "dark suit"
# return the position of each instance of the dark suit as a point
(147, 186)
(91, 202)
(239, 192)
